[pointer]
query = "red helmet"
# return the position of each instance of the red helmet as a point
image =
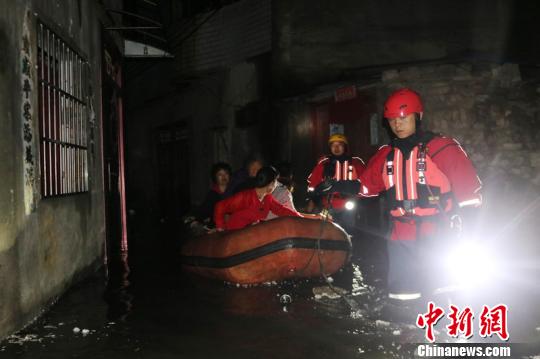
(402, 103)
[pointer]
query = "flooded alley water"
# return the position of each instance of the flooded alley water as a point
(147, 308)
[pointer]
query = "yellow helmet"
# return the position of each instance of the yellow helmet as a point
(338, 137)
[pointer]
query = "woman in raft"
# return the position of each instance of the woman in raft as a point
(252, 205)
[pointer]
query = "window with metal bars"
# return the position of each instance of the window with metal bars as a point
(62, 84)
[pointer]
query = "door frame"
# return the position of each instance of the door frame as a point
(111, 75)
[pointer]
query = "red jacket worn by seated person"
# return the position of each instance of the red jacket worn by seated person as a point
(245, 208)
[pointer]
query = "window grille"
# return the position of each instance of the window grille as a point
(62, 84)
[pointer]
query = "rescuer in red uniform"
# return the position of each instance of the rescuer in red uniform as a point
(338, 166)
(252, 205)
(428, 180)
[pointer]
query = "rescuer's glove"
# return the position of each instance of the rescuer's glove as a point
(465, 221)
(350, 187)
(325, 186)
(322, 189)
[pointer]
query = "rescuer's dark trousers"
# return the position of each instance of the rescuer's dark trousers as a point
(403, 270)
(416, 256)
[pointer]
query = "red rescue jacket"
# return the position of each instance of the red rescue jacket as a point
(429, 181)
(349, 169)
(245, 208)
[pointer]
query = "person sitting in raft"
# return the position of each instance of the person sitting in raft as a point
(244, 178)
(252, 205)
(220, 175)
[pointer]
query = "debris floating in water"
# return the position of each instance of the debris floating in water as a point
(16, 339)
(285, 299)
(326, 291)
(381, 323)
(396, 332)
(83, 331)
(357, 314)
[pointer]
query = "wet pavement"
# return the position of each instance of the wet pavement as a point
(146, 308)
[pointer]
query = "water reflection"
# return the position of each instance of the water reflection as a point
(150, 309)
(117, 291)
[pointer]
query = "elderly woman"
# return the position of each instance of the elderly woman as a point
(252, 205)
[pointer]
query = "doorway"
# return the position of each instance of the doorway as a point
(350, 117)
(172, 151)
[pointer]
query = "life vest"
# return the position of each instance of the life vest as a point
(341, 171)
(415, 186)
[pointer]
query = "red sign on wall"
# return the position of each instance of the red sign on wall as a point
(345, 93)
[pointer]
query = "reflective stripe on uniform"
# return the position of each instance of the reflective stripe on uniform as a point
(470, 202)
(404, 296)
(411, 171)
(359, 159)
(416, 171)
(447, 289)
(397, 175)
(365, 192)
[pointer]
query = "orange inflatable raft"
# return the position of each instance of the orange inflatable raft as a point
(276, 250)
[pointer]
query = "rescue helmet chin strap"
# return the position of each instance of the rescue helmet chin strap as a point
(418, 121)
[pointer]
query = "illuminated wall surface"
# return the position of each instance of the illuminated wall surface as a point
(45, 243)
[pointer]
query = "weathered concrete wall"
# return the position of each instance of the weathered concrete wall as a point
(221, 65)
(44, 243)
(162, 103)
(208, 104)
(11, 185)
(328, 41)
